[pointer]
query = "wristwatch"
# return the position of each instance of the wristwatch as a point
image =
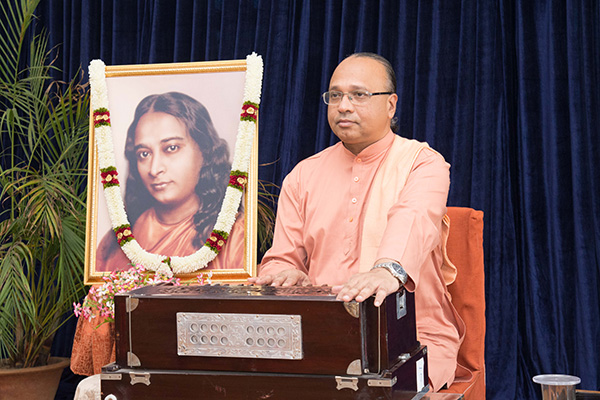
(395, 269)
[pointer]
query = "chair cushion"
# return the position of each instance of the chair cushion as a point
(465, 250)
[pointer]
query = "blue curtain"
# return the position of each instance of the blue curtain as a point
(507, 91)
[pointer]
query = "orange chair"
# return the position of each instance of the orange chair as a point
(465, 250)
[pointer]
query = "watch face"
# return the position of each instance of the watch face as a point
(399, 272)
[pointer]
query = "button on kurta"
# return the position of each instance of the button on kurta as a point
(354, 200)
(356, 179)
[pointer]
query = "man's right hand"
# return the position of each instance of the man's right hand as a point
(288, 277)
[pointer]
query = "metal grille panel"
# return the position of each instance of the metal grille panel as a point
(274, 336)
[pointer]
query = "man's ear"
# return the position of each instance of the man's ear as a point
(392, 100)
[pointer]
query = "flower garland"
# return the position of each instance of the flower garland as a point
(238, 177)
(100, 301)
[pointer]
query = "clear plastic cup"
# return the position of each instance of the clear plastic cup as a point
(557, 387)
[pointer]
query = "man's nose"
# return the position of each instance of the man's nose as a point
(345, 104)
(157, 166)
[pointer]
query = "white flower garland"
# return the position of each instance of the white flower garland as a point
(233, 193)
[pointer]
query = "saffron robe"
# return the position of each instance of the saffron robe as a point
(170, 240)
(321, 220)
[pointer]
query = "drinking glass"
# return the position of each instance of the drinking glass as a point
(557, 387)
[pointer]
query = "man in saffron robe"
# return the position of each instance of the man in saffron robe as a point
(179, 170)
(366, 214)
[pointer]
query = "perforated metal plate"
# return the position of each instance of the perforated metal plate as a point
(239, 335)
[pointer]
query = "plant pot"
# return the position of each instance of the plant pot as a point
(39, 383)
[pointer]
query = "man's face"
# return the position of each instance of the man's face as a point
(359, 126)
(168, 159)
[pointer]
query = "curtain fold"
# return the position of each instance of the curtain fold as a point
(507, 91)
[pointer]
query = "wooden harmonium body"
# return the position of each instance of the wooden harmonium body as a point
(249, 341)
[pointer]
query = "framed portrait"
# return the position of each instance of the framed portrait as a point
(174, 129)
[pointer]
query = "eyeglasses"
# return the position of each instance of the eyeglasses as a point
(334, 97)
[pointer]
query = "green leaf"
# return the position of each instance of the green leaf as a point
(43, 175)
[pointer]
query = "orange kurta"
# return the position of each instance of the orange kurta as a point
(320, 220)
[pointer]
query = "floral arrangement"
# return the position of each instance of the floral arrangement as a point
(233, 195)
(100, 300)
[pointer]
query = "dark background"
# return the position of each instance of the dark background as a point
(508, 91)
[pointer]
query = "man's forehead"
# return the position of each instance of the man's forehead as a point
(358, 73)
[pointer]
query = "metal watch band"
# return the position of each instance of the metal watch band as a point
(395, 269)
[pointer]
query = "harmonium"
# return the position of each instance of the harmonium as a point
(263, 342)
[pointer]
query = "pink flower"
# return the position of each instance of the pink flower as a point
(100, 299)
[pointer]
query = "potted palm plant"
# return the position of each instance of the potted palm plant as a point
(43, 176)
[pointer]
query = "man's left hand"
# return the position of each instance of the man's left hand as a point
(359, 287)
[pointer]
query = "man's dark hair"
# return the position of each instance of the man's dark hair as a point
(390, 74)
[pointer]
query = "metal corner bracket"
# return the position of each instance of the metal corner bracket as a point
(353, 308)
(354, 368)
(133, 360)
(382, 382)
(131, 303)
(110, 377)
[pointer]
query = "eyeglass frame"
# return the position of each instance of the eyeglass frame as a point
(349, 95)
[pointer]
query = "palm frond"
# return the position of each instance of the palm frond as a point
(43, 174)
(266, 203)
(15, 295)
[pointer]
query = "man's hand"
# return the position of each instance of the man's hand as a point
(289, 277)
(359, 287)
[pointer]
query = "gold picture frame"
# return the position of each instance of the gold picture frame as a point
(216, 85)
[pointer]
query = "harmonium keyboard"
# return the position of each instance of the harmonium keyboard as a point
(263, 342)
